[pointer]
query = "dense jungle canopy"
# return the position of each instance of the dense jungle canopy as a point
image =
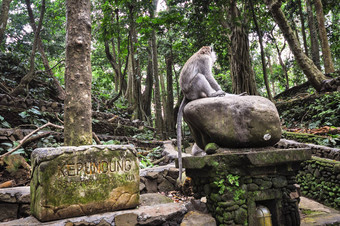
(285, 51)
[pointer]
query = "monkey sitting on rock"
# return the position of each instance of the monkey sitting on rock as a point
(196, 81)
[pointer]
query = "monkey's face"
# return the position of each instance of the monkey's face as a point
(205, 50)
(208, 51)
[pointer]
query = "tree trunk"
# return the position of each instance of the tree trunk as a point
(243, 76)
(78, 74)
(279, 52)
(135, 74)
(147, 94)
(326, 52)
(313, 36)
(122, 82)
(263, 60)
(30, 75)
(60, 91)
(170, 103)
(270, 67)
(164, 103)
(303, 30)
(158, 105)
(313, 74)
(4, 17)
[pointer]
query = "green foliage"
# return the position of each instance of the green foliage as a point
(48, 141)
(111, 142)
(33, 116)
(4, 123)
(317, 112)
(330, 141)
(145, 162)
(10, 146)
(147, 135)
(231, 184)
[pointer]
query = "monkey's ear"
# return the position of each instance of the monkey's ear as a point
(212, 47)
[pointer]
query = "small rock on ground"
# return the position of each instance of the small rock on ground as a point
(194, 218)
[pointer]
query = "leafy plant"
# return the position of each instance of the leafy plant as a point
(114, 142)
(4, 123)
(33, 116)
(147, 135)
(144, 162)
(10, 146)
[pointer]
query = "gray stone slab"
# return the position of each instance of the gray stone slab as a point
(147, 215)
(15, 195)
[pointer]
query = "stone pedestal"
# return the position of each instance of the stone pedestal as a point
(236, 181)
(75, 181)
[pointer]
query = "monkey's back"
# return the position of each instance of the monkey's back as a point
(197, 63)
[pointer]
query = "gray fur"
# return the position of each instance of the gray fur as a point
(196, 81)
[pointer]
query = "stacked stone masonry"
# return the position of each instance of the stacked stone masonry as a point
(232, 207)
(237, 182)
(317, 150)
(320, 180)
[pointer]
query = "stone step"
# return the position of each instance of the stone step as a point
(143, 215)
(155, 209)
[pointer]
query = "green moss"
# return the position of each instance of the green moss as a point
(60, 186)
(211, 148)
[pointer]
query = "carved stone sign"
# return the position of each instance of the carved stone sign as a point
(76, 181)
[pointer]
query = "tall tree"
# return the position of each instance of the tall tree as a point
(170, 120)
(78, 74)
(313, 36)
(4, 17)
(303, 30)
(31, 73)
(263, 59)
(59, 90)
(159, 116)
(147, 94)
(279, 53)
(313, 74)
(134, 75)
(326, 52)
(243, 76)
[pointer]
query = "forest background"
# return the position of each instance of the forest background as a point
(138, 50)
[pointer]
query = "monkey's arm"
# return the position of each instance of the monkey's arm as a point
(213, 82)
(209, 76)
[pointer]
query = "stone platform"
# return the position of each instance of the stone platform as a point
(236, 181)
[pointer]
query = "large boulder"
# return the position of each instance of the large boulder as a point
(233, 121)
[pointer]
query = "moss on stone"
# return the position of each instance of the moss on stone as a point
(211, 148)
(85, 177)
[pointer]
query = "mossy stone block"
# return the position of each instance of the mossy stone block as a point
(75, 181)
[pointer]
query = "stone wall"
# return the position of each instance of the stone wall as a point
(317, 150)
(320, 180)
(14, 203)
(237, 200)
(238, 182)
(8, 101)
(158, 179)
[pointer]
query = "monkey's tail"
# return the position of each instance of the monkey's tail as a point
(179, 136)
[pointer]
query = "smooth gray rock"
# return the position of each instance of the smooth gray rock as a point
(233, 121)
(194, 218)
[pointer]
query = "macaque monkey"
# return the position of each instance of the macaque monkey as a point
(196, 81)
